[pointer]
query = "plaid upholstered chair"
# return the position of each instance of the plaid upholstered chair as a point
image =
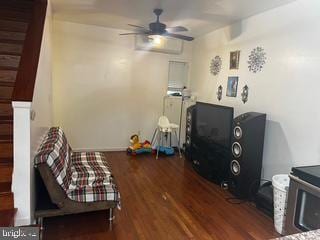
(72, 182)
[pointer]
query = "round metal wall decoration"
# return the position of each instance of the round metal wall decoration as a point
(215, 65)
(219, 93)
(257, 59)
(245, 93)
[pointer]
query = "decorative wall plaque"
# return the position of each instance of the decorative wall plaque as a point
(234, 59)
(232, 86)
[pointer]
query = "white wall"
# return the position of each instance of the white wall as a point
(28, 134)
(104, 91)
(42, 97)
(287, 89)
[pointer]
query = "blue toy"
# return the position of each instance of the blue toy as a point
(169, 151)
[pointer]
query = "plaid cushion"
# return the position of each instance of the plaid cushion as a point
(55, 151)
(89, 169)
(108, 192)
(91, 178)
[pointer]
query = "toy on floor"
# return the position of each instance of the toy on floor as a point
(137, 147)
(168, 151)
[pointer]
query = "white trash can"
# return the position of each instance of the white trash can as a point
(280, 185)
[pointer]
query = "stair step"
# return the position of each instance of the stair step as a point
(5, 93)
(8, 76)
(13, 26)
(6, 128)
(6, 186)
(6, 149)
(6, 201)
(11, 41)
(15, 15)
(9, 60)
(5, 108)
(7, 217)
(6, 138)
(10, 54)
(11, 48)
(6, 35)
(17, 5)
(8, 69)
(6, 161)
(5, 101)
(6, 152)
(6, 84)
(6, 175)
(6, 118)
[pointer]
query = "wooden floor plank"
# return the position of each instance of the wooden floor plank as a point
(165, 199)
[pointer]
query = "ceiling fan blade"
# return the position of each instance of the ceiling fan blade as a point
(182, 37)
(136, 26)
(134, 33)
(176, 29)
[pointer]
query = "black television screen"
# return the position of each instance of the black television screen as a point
(214, 123)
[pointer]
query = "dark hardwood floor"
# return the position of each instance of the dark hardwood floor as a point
(164, 199)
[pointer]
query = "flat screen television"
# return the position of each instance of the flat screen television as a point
(213, 123)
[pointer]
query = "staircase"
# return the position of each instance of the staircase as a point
(14, 19)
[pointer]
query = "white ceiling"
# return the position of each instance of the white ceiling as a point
(199, 16)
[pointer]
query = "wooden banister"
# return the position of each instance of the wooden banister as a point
(26, 76)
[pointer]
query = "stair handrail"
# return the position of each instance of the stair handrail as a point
(27, 72)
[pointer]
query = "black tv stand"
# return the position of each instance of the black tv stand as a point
(210, 160)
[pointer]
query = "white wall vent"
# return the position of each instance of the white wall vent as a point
(162, 44)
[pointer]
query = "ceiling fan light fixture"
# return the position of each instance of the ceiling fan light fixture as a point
(157, 31)
(156, 39)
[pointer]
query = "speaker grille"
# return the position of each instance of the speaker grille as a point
(189, 116)
(188, 141)
(237, 132)
(188, 129)
(235, 167)
(236, 149)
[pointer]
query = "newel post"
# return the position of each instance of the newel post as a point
(21, 180)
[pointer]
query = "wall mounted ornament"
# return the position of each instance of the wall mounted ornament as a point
(257, 60)
(219, 93)
(215, 65)
(245, 94)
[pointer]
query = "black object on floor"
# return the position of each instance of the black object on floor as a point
(264, 199)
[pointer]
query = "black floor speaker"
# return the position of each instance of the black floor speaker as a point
(247, 153)
(189, 131)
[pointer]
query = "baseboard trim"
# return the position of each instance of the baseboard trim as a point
(22, 222)
(114, 149)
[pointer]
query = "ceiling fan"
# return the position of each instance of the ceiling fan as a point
(160, 29)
